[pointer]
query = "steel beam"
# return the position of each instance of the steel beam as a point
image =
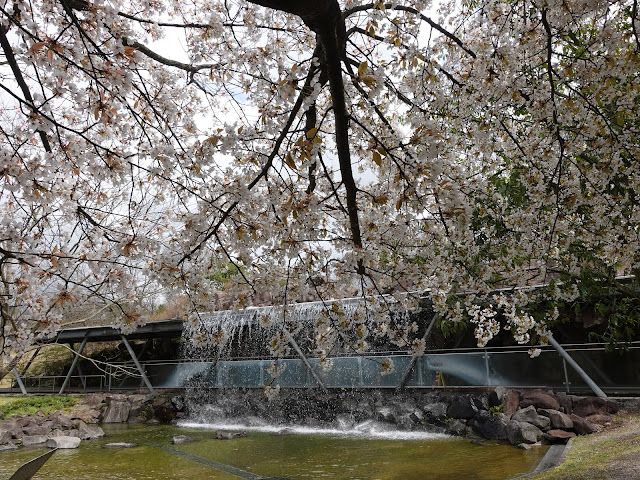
(295, 346)
(76, 358)
(33, 357)
(413, 361)
(19, 381)
(138, 366)
(587, 379)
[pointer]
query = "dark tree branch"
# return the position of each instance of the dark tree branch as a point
(15, 68)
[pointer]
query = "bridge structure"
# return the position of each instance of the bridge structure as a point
(574, 368)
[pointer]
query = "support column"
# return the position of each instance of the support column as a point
(592, 385)
(19, 381)
(412, 364)
(33, 357)
(76, 358)
(138, 366)
(295, 346)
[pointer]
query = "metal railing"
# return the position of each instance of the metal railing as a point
(52, 383)
(463, 368)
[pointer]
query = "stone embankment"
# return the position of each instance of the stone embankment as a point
(522, 417)
(67, 430)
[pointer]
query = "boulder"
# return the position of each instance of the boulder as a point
(227, 435)
(120, 445)
(33, 430)
(457, 427)
(62, 421)
(5, 436)
(582, 426)
(540, 399)
(522, 432)
(558, 419)
(178, 403)
(29, 440)
(417, 416)
(558, 436)
(462, 407)
(511, 402)
(63, 442)
(181, 439)
(491, 427)
(600, 419)
(7, 447)
(587, 406)
(496, 397)
(117, 412)
(530, 415)
(386, 414)
(88, 432)
(165, 413)
(344, 421)
(435, 413)
(94, 401)
(566, 404)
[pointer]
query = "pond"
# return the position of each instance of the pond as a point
(295, 455)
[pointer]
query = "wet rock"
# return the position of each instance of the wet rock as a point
(89, 432)
(558, 436)
(227, 435)
(164, 413)
(490, 427)
(63, 442)
(539, 399)
(558, 419)
(582, 426)
(182, 439)
(178, 403)
(29, 440)
(387, 414)
(120, 445)
(462, 407)
(344, 421)
(435, 413)
(7, 447)
(457, 427)
(117, 412)
(523, 446)
(416, 416)
(522, 432)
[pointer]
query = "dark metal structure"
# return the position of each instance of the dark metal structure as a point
(84, 335)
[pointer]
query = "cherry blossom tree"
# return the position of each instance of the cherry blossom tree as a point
(317, 147)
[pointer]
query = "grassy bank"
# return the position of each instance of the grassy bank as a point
(613, 454)
(12, 406)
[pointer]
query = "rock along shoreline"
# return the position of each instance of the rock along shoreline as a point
(521, 417)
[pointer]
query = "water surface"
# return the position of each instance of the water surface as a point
(320, 455)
